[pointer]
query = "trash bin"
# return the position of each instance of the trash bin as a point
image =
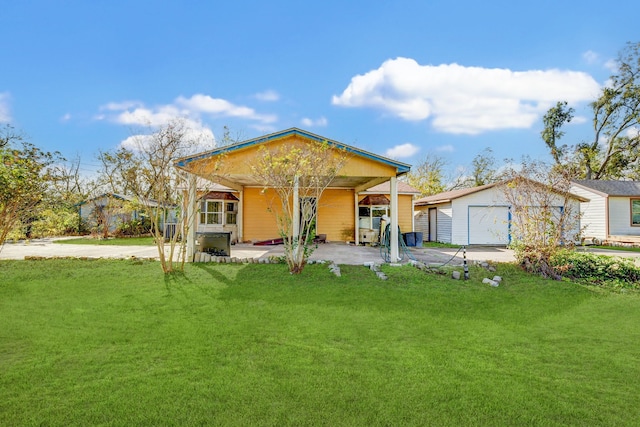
(214, 243)
(418, 238)
(410, 239)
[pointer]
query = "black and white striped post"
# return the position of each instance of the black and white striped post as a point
(464, 263)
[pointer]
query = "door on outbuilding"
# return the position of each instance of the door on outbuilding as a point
(488, 225)
(433, 215)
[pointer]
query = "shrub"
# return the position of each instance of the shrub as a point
(597, 269)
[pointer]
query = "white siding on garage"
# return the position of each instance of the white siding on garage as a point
(620, 217)
(443, 223)
(593, 213)
(488, 225)
(461, 225)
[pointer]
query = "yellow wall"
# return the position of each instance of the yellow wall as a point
(259, 221)
(239, 162)
(336, 214)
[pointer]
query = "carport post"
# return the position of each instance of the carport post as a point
(393, 244)
(191, 217)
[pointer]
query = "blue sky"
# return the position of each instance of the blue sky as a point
(403, 79)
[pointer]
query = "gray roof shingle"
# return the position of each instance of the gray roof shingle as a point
(611, 188)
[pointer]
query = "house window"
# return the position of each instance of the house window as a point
(635, 212)
(232, 212)
(211, 212)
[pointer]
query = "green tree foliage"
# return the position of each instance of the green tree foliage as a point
(614, 150)
(24, 176)
(428, 176)
(553, 121)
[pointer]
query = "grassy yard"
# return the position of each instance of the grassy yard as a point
(116, 343)
(128, 241)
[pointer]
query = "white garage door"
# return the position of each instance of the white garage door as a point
(488, 225)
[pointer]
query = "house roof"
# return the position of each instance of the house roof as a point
(401, 167)
(447, 196)
(374, 200)
(610, 188)
(385, 188)
(148, 202)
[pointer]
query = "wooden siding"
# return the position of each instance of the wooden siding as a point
(336, 214)
(239, 162)
(620, 217)
(443, 223)
(259, 221)
(460, 211)
(593, 213)
(405, 213)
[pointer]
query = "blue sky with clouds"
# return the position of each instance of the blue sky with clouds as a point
(403, 79)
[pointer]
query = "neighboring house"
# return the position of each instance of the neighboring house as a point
(246, 206)
(110, 210)
(612, 212)
(470, 216)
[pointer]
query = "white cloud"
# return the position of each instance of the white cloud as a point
(5, 111)
(268, 96)
(321, 122)
(193, 111)
(465, 100)
(198, 105)
(65, 118)
(590, 57)
(445, 148)
(611, 65)
(402, 150)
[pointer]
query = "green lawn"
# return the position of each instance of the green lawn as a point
(616, 248)
(127, 241)
(116, 343)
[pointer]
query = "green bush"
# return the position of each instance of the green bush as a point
(597, 269)
(134, 227)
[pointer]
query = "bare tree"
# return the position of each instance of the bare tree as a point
(544, 214)
(145, 171)
(299, 175)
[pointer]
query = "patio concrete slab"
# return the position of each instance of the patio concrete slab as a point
(340, 253)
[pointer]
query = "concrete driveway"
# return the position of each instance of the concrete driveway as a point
(339, 253)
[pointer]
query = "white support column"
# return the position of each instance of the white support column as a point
(393, 235)
(296, 209)
(357, 217)
(240, 217)
(192, 214)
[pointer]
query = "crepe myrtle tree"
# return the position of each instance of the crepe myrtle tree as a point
(544, 216)
(144, 170)
(298, 174)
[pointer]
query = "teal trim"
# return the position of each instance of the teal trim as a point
(402, 168)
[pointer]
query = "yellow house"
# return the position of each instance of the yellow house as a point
(241, 205)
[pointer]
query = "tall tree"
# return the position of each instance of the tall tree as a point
(428, 176)
(553, 121)
(614, 151)
(24, 177)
